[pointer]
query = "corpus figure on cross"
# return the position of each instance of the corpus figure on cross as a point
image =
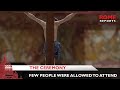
(57, 23)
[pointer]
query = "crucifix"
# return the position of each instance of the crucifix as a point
(51, 46)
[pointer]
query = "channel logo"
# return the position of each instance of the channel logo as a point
(107, 18)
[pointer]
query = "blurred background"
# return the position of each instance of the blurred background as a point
(84, 39)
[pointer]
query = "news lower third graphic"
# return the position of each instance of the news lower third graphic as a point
(53, 68)
(9, 71)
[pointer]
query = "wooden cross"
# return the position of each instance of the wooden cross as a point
(50, 38)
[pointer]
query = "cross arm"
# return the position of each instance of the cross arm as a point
(31, 16)
(67, 18)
